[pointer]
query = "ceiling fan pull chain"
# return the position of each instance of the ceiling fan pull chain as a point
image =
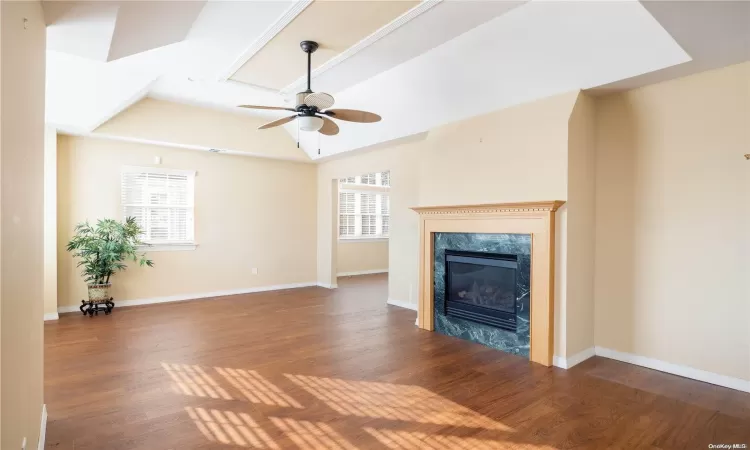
(297, 133)
(318, 143)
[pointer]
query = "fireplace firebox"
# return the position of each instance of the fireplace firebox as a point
(481, 287)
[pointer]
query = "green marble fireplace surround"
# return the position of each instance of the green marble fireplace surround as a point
(518, 342)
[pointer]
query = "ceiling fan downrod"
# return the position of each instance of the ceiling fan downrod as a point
(309, 47)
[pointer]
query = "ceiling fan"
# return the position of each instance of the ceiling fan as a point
(312, 107)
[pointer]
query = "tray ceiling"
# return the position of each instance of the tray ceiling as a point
(335, 25)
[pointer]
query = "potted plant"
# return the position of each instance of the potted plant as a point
(103, 249)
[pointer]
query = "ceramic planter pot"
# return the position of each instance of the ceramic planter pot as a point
(99, 292)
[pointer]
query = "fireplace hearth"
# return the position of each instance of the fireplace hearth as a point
(481, 287)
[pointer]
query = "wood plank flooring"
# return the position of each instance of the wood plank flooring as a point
(319, 369)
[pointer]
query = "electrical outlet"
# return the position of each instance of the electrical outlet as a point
(23, 444)
(255, 271)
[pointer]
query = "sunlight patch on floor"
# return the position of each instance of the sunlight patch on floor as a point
(414, 440)
(192, 380)
(256, 388)
(312, 435)
(392, 401)
(227, 427)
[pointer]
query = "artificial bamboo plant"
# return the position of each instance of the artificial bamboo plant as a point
(104, 248)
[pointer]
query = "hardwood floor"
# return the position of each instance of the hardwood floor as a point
(319, 369)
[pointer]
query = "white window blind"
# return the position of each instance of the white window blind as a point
(363, 215)
(161, 200)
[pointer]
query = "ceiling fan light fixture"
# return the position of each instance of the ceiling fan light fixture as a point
(310, 123)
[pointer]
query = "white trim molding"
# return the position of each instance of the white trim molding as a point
(285, 19)
(168, 247)
(327, 285)
(567, 363)
(359, 240)
(400, 304)
(361, 272)
(43, 428)
(676, 369)
(198, 296)
(51, 316)
(384, 31)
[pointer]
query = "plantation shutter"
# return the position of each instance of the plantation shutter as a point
(369, 211)
(385, 214)
(347, 210)
(161, 200)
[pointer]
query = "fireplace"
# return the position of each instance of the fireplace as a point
(481, 287)
(501, 229)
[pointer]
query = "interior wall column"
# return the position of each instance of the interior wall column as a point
(50, 223)
(334, 233)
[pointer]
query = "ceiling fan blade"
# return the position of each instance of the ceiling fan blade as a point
(275, 108)
(277, 122)
(320, 100)
(353, 115)
(329, 127)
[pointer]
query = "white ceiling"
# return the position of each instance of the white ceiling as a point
(442, 62)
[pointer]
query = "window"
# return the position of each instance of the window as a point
(385, 178)
(369, 179)
(364, 206)
(161, 200)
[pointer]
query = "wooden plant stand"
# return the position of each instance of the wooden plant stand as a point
(92, 307)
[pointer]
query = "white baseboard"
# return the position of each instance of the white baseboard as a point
(181, 297)
(655, 364)
(676, 369)
(567, 363)
(401, 304)
(51, 316)
(361, 272)
(327, 286)
(43, 428)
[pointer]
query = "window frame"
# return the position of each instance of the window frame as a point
(165, 245)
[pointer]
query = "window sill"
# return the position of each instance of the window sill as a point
(168, 247)
(360, 240)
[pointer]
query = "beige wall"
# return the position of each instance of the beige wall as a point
(512, 155)
(672, 220)
(250, 213)
(579, 225)
(22, 73)
(362, 256)
(175, 123)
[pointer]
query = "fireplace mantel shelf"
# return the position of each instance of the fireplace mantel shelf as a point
(552, 206)
(534, 218)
